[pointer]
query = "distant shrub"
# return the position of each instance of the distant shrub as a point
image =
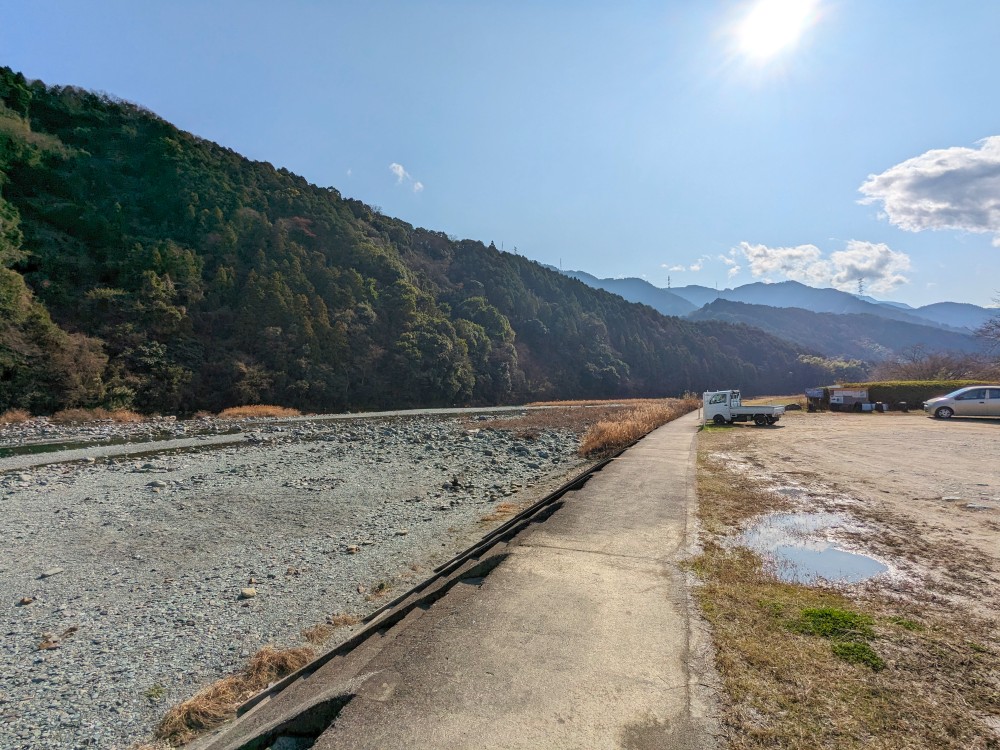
(258, 410)
(14, 416)
(913, 392)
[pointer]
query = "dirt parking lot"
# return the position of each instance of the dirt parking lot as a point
(925, 492)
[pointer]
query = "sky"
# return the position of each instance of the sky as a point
(844, 143)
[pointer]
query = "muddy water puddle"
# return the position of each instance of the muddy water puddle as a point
(798, 546)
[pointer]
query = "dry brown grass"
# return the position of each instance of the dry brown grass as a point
(258, 410)
(343, 620)
(584, 402)
(320, 634)
(68, 416)
(783, 688)
(14, 416)
(608, 436)
(218, 702)
(503, 511)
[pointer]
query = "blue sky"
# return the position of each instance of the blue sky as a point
(622, 139)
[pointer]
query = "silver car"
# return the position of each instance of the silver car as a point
(973, 401)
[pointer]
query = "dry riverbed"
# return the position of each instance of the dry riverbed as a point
(121, 572)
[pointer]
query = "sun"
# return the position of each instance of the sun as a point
(772, 26)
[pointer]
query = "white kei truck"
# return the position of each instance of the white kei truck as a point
(724, 407)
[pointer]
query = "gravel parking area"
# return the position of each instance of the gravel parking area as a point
(121, 575)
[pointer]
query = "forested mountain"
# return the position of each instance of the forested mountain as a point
(141, 266)
(854, 336)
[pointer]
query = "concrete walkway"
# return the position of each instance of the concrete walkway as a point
(581, 637)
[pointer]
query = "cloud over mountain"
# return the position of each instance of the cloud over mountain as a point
(949, 188)
(881, 268)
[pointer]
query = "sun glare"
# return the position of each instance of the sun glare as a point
(772, 26)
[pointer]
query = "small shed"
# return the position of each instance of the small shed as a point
(847, 399)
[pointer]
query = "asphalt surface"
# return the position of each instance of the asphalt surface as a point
(578, 633)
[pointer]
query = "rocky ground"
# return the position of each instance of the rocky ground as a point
(121, 573)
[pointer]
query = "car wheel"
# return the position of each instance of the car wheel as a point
(944, 412)
(719, 419)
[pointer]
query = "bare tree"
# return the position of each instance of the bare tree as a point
(990, 330)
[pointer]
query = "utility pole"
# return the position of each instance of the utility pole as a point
(861, 286)
(668, 282)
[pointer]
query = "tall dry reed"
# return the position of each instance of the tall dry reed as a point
(608, 436)
(258, 410)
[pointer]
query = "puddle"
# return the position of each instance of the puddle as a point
(796, 544)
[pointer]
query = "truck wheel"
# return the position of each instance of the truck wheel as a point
(944, 412)
(760, 420)
(719, 419)
(772, 420)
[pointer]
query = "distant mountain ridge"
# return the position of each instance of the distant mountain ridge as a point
(664, 301)
(956, 316)
(862, 336)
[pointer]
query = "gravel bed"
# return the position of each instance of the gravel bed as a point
(121, 576)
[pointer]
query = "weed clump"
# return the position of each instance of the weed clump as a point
(218, 702)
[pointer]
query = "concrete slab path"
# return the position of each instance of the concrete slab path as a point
(581, 638)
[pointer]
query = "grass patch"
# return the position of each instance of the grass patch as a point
(611, 435)
(855, 652)
(69, 416)
(15, 416)
(809, 667)
(257, 411)
(218, 702)
(831, 622)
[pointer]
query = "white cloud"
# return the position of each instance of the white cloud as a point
(949, 188)
(734, 271)
(800, 263)
(397, 169)
(881, 267)
(349, 172)
(401, 174)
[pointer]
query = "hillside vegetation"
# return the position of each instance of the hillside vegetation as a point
(142, 267)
